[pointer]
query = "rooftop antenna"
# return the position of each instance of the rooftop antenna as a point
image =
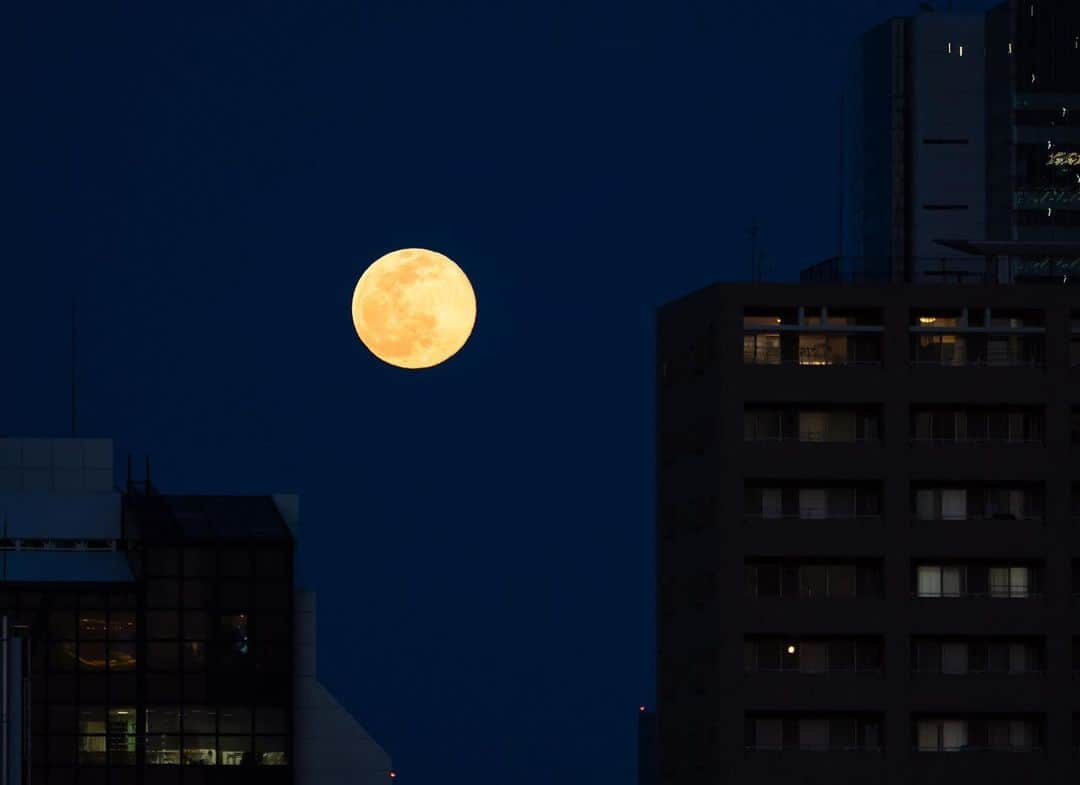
(755, 259)
(840, 181)
(73, 355)
(757, 254)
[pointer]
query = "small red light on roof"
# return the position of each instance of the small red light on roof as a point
(641, 708)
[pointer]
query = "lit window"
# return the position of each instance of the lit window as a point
(961, 51)
(1010, 47)
(948, 48)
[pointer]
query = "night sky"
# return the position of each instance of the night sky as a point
(210, 183)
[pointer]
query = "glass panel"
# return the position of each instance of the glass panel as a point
(953, 504)
(951, 581)
(1018, 659)
(999, 581)
(235, 562)
(61, 625)
(953, 735)
(92, 626)
(238, 720)
(269, 720)
(122, 626)
(813, 426)
(771, 503)
(997, 734)
(842, 735)
(813, 734)
(196, 626)
(160, 624)
(121, 735)
(162, 719)
(92, 656)
(813, 657)
(199, 720)
(194, 655)
(270, 751)
(929, 581)
(1019, 581)
(841, 427)
(812, 581)
(163, 750)
(233, 634)
(928, 657)
(841, 655)
(1020, 735)
(235, 751)
(768, 734)
(925, 504)
(812, 503)
(92, 750)
(199, 751)
(841, 580)
(954, 658)
(163, 656)
(62, 656)
(122, 656)
(928, 735)
(840, 502)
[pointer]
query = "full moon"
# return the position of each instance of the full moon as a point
(413, 308)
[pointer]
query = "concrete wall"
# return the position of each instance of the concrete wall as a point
(330, 746)
(948, 139)
(56, 466)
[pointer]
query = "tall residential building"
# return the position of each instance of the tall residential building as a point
(868, 557)
(961, 145)
(153, 639)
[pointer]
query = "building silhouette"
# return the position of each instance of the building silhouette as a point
(867, 550)
(152, 638)
(867, 541)
(961, 144)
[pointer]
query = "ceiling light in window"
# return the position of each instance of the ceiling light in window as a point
(1010, 47)
(927, 319)
(791, 649)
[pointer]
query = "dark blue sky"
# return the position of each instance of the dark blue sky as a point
(212, 181)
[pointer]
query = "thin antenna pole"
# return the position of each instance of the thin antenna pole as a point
(73, 355)
(840, 182)
(753, 251)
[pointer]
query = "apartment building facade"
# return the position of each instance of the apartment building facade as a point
(868, 534)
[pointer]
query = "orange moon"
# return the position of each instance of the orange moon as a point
(413, 308)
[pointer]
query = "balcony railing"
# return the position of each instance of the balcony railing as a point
(981, 672)
(995, 594)
(830, 672)
(1018, 362)
(972, 748)
(786, 748)
(815, 514)
(975, 441)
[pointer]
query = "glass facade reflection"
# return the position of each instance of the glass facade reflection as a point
(181, 675)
